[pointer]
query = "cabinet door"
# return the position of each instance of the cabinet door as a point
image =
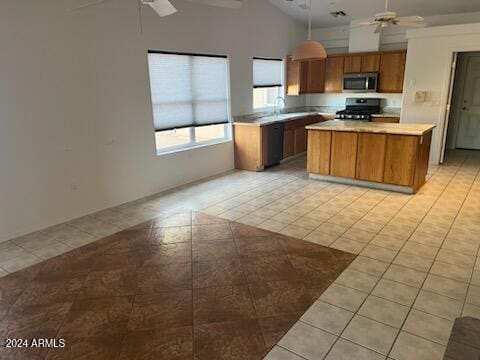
(318, 152)
(371, 157)
(316, 76)
(392, 70)
(289, 143)
(370, 63)
(248, 142)
(400, 157)
(300, 139)
(296, 77)
(334, 74)
(353, 64)
(344, 154)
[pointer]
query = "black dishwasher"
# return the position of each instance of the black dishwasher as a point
(275, 144)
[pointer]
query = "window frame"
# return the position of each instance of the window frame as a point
(281, 88)
(193, 144)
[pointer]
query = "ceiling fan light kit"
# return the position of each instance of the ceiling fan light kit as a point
(387, 18)
(310, 49)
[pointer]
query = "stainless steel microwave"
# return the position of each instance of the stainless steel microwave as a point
(360, 82)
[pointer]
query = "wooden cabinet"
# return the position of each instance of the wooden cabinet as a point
(344, 154)
(288, 143)
(318, 152)
(387, 119)
(315, 76)
(392, 70)
(353, 64)
(300, 139)
(370, 63)
(249, 147)
(400, 159)
(327, 75)
(296, 77)
(371, 157)
(334, 74)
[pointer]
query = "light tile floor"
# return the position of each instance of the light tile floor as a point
(418, 266)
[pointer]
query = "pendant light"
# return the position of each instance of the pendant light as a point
(309, 49)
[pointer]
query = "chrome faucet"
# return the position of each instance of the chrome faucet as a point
(275, 103)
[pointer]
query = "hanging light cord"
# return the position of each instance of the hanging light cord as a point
(310, 21)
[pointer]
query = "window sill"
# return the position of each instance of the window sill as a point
(193, 147)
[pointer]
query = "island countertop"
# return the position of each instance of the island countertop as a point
(373, 127)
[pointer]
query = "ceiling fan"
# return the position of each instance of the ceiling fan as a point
(387, 18)
(165, 7)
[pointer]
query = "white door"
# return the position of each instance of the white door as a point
(469, 122)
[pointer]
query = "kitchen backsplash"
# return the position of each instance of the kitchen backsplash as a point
(338, 100)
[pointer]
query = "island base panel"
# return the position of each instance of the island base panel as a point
(363, 183)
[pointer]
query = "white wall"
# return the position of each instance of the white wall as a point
(76, 130)
(428, 68)
(388, 100)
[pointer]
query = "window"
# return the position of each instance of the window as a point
(190, 100)
(267, 82)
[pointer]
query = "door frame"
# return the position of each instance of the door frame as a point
(448, 91)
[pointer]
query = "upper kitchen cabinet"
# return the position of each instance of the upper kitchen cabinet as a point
(296, 77)
(370, 63)
(334, 74)
(392, 69)
(305, 77)
(327, 75)
(315, 76)
(353, 64)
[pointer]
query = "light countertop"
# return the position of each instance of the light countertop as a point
(373, 127)
(271, 119)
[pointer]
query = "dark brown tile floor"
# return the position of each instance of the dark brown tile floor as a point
(184, 286)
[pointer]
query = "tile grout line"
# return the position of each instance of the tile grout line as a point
(423, 282)
(380, 278)
(476, 255)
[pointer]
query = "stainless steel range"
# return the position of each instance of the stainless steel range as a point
(359, 109)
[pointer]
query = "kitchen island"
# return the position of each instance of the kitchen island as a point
(378, 155)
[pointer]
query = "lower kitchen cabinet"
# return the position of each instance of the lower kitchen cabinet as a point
(368, 156)
(318, 152)
(288, 143)
(300, 139)
(371, 157)
(251, 142)
(344, 154)
(400, 159)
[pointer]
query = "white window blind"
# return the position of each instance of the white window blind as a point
(188, 90)
(267, 72)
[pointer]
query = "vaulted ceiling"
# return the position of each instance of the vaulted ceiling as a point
(361, 9)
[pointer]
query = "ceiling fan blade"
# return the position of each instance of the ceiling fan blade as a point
(88, 4)
(410, 19)
(232, 4)
(161, 7)
(379, 29)
(367, 23)
(409, 24)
